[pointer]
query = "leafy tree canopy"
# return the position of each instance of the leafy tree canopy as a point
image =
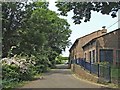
(33, 36)
(33, 30)
(14, 17)
(82, 10)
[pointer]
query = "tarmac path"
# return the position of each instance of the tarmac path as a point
(60, 78)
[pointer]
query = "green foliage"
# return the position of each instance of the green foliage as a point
(41, 30)
(115, 72)
(13, 74)
(34, 36)
(10, 75)
(28, 75)
(104, 63)
(10, 72)
(47, 34)
(82, 10)
(65, 58)
(14, 17)
(60, 59)
(42, 64)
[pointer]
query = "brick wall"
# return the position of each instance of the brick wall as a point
(80, 72)
(78, 50)
(109, 41)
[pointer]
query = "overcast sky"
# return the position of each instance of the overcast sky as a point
(96, 22)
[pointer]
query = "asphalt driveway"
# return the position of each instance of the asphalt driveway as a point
(60, 78)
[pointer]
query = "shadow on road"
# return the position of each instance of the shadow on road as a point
(62, 66)
(60, 69)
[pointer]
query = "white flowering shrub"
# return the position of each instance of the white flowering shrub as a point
(21, 68)
(17, 69)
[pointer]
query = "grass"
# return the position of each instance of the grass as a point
(115, 72)
(112, 85)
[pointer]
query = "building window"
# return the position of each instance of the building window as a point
(106, 55)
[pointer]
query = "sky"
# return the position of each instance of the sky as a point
(96, 22)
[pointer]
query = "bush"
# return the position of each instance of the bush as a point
(15, 71)
(42, 64)
(10, 72)
(27, 74)
(61, 60)
(115, 71)
(10, 75)
(104, 63)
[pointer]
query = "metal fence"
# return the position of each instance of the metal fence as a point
(102, 71)
(105, 72)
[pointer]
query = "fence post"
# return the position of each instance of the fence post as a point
(109, 72)
(98, 70)
(90, 66)
(84, 64)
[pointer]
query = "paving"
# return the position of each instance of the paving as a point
(60, 78)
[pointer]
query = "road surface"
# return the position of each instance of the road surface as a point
(60, 78)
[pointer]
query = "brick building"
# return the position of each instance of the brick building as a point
(76, 51)
(104, 48)
(97, 46)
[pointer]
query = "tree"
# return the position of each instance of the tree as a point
(55, 30)
(35, 39)
(10, 16)
(60, 59)
(82, 10)
(14, 17)
(41, 34)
